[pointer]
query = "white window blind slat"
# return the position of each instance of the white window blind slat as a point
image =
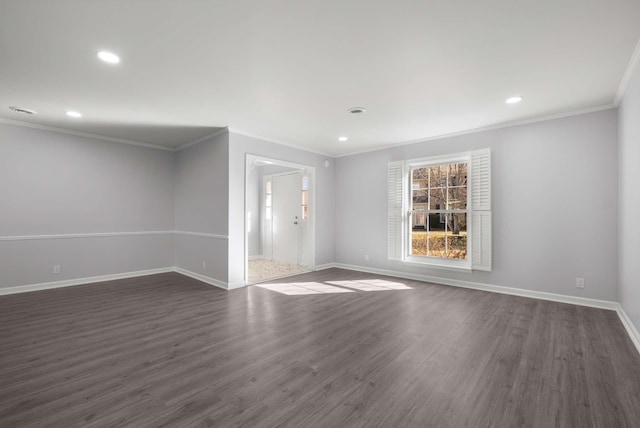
(395, 219)
(481, 209)
(481, 180)
(481, 240)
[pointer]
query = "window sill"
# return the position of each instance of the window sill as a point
(452, 266)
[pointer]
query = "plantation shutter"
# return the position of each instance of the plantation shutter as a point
(394, 223)
(481, 209)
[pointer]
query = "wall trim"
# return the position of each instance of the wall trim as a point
(85, 235)
(629, 326)
(628, 75)
(111, 234)
(82, 134)
(256, 257)
(324, 266)
(201, 234)
(80, 281)
(201, 278)
(582, 301)
(495, 127)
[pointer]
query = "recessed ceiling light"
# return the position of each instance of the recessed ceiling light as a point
(74, 114)
(22, 110)
(343, 138)
(514, 100)
(109, 57)
(357, 110)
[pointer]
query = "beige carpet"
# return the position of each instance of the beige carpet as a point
(263, 270)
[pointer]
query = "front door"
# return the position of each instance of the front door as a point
(287, 202)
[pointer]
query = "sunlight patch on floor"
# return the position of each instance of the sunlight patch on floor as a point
(302, 288)
(371, 285)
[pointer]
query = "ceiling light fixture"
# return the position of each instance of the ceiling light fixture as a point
(342, 138)
(357, 110)
(514, 100)
(74, 114)
(108, 57)
(22, 110)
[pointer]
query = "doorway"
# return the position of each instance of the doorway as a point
(279, 213)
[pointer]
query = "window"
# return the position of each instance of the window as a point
(305, 197)
(439, 210)
(267, 200)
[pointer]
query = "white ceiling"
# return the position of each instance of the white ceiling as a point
(289, 70)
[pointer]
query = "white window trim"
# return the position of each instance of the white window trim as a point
(440, 262)
(478, 212)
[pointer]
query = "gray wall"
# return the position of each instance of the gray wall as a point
(554, 205)
(239, 146)
(201, 206)
(629, 228)
(58, 184)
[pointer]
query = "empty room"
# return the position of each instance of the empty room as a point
(357, 213)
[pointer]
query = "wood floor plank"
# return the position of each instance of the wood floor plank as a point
(341, 349)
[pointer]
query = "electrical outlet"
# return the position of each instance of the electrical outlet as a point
(366, 257)
(56, 269)
(204, 264)
(579, 282)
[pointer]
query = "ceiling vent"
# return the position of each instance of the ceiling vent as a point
(22, 110)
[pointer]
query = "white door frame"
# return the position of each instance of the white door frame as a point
(310, 171)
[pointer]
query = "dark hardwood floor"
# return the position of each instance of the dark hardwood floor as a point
(341, 349)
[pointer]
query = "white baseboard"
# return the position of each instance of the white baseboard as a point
(202, 278)
(629, 326)
(256, 257)
(582, 301)
(81, 281)
(324, 266)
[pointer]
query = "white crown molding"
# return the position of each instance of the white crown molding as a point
(629, 326)
(628, 75)
(84, 235)
(200, 234)
(81, 281)
(282, 143)
(82, 134)
(224, 130)
(581, 301)
(485, 129)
